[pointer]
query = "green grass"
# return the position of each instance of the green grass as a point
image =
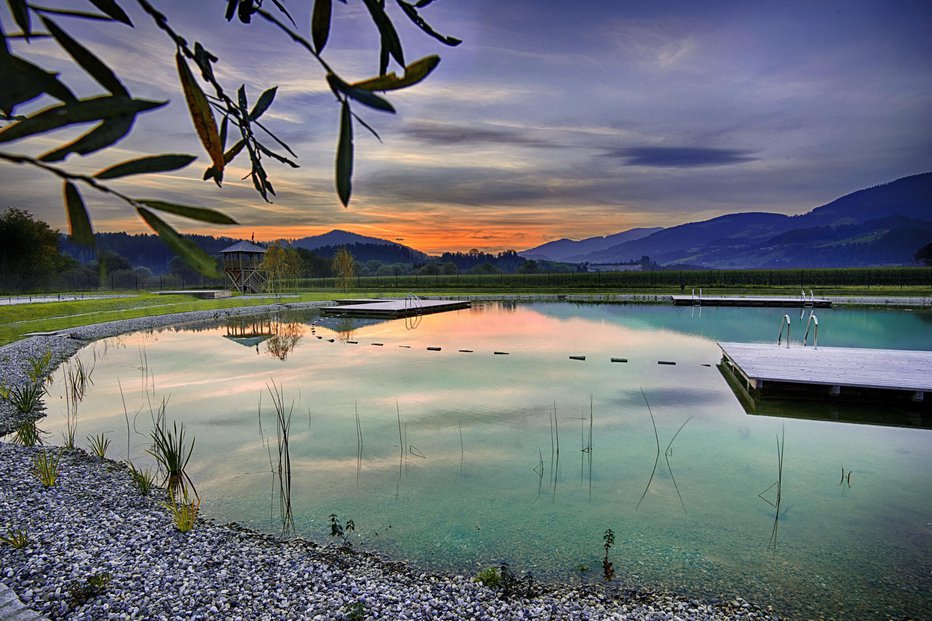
(19, 319)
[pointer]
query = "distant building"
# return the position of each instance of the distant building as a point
(242, 263)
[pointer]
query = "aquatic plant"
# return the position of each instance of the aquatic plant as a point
(27, 433)
(18, 538)
(608, 540)
(46, 466)
(340, 530)
(172, 453)
(144, 479)
(184, 513)
(99, 444)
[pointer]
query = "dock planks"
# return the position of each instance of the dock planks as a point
(792, 302)
(393, 308)
(903, 371)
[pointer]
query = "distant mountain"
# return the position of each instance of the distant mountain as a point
(336, 238)
(568, 250)
(882, 225)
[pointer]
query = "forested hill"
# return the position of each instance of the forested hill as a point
(140, 250)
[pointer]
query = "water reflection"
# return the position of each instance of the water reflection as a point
(407, 477)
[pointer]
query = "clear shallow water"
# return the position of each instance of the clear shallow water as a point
(476, 481)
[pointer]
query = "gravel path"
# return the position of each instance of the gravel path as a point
(98, 549)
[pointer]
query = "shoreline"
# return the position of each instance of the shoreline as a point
(94, 522)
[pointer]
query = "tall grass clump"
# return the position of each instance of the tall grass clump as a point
(172, 453)
(184, 513)
(27, 433)
(18, 538)
(283, 431)
(46, 466)
(99, 444)
(144, 479)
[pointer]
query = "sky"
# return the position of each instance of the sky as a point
(552, 119)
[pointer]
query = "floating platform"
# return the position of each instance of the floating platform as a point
(393, 309)
(832, 373)
(206, 294)
(792, 302)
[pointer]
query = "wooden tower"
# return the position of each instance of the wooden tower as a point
(242, 263)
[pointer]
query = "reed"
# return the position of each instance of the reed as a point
(37, 366)
(25, 398)
(172, 452)
(282, 434)
(359, 443)
(657, 458)
(76, 377)
(778, 484)
(668, 454)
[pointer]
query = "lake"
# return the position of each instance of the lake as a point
(461, 440)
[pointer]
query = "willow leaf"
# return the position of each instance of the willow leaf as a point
(24, 81)
(145, 165)
(192, 255)
(200, 214)
(265, 100)
(420, 22)
(362, 96)
(79, 222)
(78, 111)
(20, 12)
(320, 23)
(107, 133)
(414, 73)
(200, 112)
(345, 156)
(90, 63)
(112, 9)
(390, 40)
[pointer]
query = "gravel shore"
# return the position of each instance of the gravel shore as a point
(98, 549)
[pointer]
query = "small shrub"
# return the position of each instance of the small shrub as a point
(82, 592)
(144, 479)
(99, 444)
(18, 538)
(184, 513)
(46, 467)
(355, 611)
(489, 577)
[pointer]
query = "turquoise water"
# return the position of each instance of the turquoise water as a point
(475, 478)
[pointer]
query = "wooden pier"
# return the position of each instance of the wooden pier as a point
(830, 372)
(780, 302)
(394, 308)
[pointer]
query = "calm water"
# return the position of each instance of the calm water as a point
(475, 478)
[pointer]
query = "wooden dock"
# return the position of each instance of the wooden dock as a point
(780, 302)
(830, 372)
(394, 308)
